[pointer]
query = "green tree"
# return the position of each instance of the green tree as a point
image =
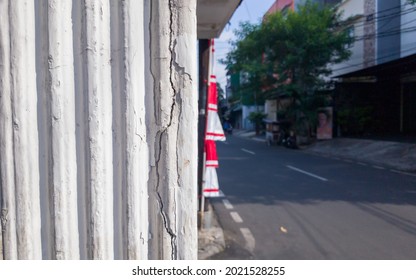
(246, 59)
(256, 118)
(290, 54)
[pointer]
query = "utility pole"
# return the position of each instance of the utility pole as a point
(204, 57)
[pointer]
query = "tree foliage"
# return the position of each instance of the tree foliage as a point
(256, 118)
(290, 54)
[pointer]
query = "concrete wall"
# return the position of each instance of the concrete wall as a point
(369, 31)
(388, 30)
(278, 5)
(97, 101)
(353, 9)
(246, 110)
(408, 28)
(270, 108)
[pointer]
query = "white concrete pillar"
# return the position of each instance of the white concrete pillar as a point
(62, 119)
(99, 108)
(129, 120)
(137, 167)
(172, 130)
(25, 133)
(7, 186)
(98, 115)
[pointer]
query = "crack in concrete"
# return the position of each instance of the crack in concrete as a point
(160, 136)
(179, 69)
(172, 44)
(142, 238)
(4, 219)
(165, 217)
(151, 62)
(175, 93)
(176, 69)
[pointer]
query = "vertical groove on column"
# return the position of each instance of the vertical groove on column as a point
(82, 141)
(61, 71)
(150, 121)
(25, 134)
(119, 128)
(7, 185)
(99, 127)
(44, 127)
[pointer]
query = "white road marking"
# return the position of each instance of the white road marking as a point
(307, 173)
(233, 158)
(236, 217)
(247, 151)
(361, 163)
(347, 160)
(404, 173)
(379, 167)
(250, 241)
(227, 204)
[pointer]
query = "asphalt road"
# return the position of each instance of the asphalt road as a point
(288, 204)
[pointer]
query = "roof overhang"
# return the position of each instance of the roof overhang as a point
(397, 67)
(213, 15)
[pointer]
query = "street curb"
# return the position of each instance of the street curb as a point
(211, 239)
(395, 155)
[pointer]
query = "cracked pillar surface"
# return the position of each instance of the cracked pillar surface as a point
(98, 129)
(173, 129)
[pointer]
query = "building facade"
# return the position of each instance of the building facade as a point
(378, 80)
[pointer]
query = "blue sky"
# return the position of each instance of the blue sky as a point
(249, 10)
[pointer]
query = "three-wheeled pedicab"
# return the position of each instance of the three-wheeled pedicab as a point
(276, 132)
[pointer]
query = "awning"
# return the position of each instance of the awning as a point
(213, 15)
(236, 107)
(398, 67)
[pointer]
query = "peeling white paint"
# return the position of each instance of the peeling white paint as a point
(7, 211)
(25, 134)
(173, 199)
(98, 129)
(99, 93)
(62, 102)
(185, 45)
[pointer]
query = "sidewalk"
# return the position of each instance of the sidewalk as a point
(394, 155)
(210, 237)
(249, 134)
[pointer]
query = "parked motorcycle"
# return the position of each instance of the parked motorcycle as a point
(290, 141)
